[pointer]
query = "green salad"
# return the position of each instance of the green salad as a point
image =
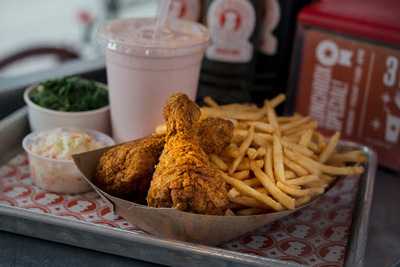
(70, 94)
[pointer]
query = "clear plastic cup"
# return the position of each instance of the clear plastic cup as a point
(145, 68)
(58, 175)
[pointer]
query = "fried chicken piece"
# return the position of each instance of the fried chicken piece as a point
(215, 135)
(184, 178)
(126, 170)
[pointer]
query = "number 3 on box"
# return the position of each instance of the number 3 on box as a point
(390, 76)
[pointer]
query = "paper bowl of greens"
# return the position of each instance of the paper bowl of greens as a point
(68, 102)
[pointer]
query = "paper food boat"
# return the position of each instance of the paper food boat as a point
(175, 224)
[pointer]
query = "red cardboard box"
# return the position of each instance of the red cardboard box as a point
(346, 72)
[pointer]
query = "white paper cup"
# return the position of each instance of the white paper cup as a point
(142, 73)
(41, 119)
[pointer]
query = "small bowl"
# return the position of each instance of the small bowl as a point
(42, 119)
(57, 175)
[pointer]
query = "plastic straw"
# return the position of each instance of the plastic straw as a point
(162, 15)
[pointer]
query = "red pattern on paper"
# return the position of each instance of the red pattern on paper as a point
(314, 236)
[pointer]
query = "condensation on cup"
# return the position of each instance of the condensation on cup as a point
(144, 68)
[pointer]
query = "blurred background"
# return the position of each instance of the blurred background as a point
(39, 35)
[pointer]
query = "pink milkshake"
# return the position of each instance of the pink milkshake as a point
(144, 68)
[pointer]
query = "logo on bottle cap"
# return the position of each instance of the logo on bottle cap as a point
(185, 9)
(231, 23)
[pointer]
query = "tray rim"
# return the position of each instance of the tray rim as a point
(354, 254)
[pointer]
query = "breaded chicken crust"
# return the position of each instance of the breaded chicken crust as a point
(184, 178)
(126, 170)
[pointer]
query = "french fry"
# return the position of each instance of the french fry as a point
(247, 190)
(261, 152)
(289, 175)
(306, 137)
(277, 100)
(299, 130)
(293, 186)
(327, 178)
(268, 164)
(309, 164)
(296, 147)
(239, 135)
(161, 129)
(242, 125)
(262, 139)
(218, 162)
(316, 167)
(295, 124)
(353, 170)
(231, 151)
(350, 156)
(262, 126)
(293, 138)
(252, 182)
(299, 192)
(232, 113)
(250, 211)
(252, 153)
(262, 190)
(267, 182)
(314, 147)
(208, 100)
(240, 107)
(248, 202)
(245, 164)
(302, 200)
(241, 175)
(242, 150)
(287, 119)
(320, 140)
(303, 180)
(232, 193)
(296, 168)
(279, 170)
(272, 118)
(330, 148)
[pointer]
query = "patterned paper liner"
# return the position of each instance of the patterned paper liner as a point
(314, 236)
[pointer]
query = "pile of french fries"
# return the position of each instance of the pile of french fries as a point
(277, 163)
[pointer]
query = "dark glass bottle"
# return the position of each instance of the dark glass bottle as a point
(229, 64)
(275, 43)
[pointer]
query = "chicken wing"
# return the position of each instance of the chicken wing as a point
(125, 171)
(184, 178)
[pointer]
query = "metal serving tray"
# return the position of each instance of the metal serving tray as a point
(149, 248)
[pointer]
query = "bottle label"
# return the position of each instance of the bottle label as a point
(185, 9)
(231, 24)
(272, 16)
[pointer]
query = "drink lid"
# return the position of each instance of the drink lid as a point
(138, 36)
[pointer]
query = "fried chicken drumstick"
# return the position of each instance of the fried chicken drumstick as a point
(184, 178)
(125, 171)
